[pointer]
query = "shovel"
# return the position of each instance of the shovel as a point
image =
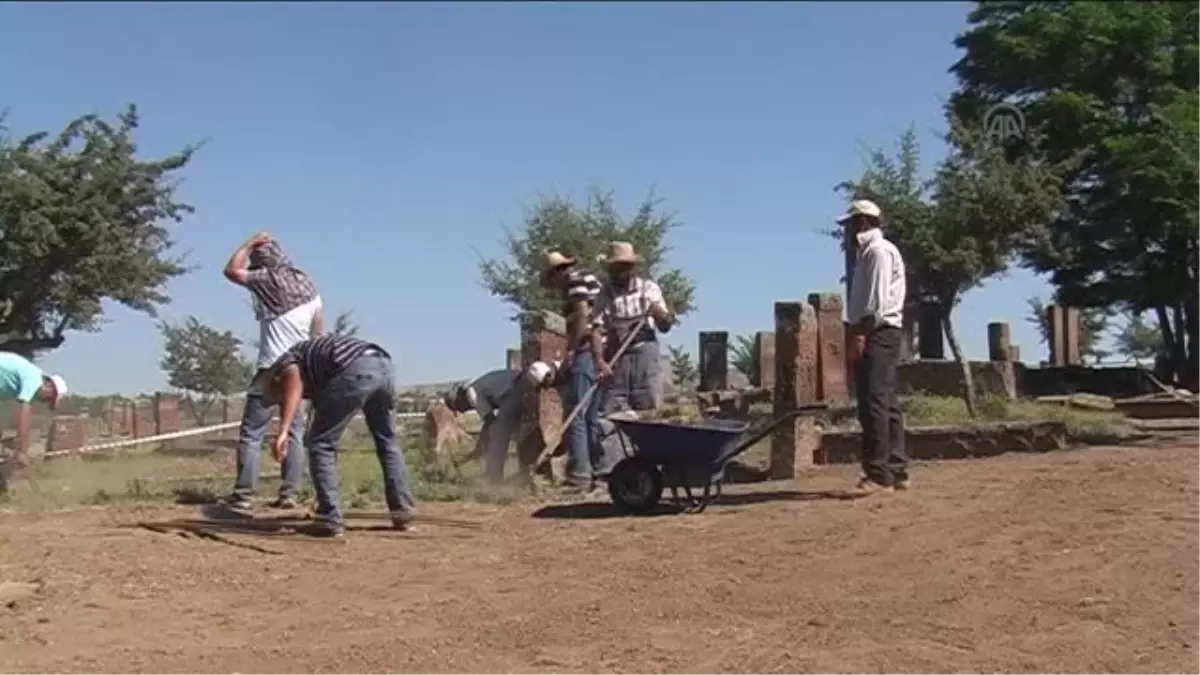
(555, 438)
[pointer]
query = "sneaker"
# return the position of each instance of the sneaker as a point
(867, 487)
(237, 503)
(285, 503)
(902, 484)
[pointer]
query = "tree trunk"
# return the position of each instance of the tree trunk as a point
(1167, 351)
(908, 335)
(201, 408)
(956, 349)
(1191, 375)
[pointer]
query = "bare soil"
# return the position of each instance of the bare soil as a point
(1081, 561)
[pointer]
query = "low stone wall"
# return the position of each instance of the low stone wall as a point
(1121, 382)
(957, 442)
(944, 378)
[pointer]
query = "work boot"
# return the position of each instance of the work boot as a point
(238, 504)
(902, 483)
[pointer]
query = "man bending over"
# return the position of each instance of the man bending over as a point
(341, 376)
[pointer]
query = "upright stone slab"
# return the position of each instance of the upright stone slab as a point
(543, 338)
(143, 419)
(1071, 339)
(166, 413)
(796, 377)
(1014, 353)
(764, 347)
(1056, 321)
(999, 341)
(714, 361)
(931, 340)
(67, 432)
(512, 359)
(831, 349)
(125, 418)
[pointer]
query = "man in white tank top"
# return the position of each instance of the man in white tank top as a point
(289, 311)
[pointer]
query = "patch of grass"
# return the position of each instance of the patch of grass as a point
(188, 478)
(1091, 426)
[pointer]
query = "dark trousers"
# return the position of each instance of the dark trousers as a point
(875, 384)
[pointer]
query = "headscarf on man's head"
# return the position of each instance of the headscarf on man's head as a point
(283, 286)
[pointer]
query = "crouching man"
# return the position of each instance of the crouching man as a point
(341, 376)
(498, 397)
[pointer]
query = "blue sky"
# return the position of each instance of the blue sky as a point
(384, 143)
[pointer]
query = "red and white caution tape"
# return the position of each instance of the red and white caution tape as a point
(130, 442)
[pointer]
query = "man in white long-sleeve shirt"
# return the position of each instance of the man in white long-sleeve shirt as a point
(875, 313)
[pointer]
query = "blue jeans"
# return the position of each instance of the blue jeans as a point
(581, 437)
(256, 418)
(367, 384)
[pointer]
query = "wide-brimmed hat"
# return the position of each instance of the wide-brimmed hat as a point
(554, 260)
(620, 253)
(861, 207)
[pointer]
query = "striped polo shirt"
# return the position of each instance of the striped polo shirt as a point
(581, 285)
(321, 359)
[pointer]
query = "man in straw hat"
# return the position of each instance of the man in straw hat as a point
(289, 311)
(635, 380)
(875, 312)
(578, 289)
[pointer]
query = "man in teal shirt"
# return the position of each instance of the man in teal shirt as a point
(24, 381)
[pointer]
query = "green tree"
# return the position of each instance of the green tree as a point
(204, 362)
(683, 369)
(743, 356)
(1093, 324)
(583, 232)
(963, 226)
(82, 219)
(1112, 90)
(1138, 340)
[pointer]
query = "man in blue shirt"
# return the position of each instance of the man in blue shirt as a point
(24, 381)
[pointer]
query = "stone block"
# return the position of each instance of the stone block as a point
(764, 346)
(543, 338)
(166, 413)
(831, 350)
(931, 339)
(1071, 339)
(794, 448)
(714, 361)
(999, 341)
(1056, 321)
(512, 359)
(1014, 353)
(67, 432)
(796, 378)
(143, 419)
(954, 442)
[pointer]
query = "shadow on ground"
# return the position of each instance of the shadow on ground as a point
(598, 510)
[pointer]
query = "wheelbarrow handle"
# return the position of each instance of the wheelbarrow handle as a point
(807, 410)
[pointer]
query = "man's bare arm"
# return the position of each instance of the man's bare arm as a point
(293, 391)
(235, 269)
(317, 329)
(24, 424)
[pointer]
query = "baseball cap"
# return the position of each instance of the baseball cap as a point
(60, 387)
(861, 207)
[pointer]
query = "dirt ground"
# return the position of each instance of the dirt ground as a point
(1081, 561)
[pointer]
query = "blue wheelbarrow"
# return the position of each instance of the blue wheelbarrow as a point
(682, 457)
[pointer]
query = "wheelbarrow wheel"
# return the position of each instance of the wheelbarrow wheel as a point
(635, 485)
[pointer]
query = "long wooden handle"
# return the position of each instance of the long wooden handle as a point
(555, 438)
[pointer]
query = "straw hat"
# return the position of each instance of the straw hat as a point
(620, 252)
(554, 260)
